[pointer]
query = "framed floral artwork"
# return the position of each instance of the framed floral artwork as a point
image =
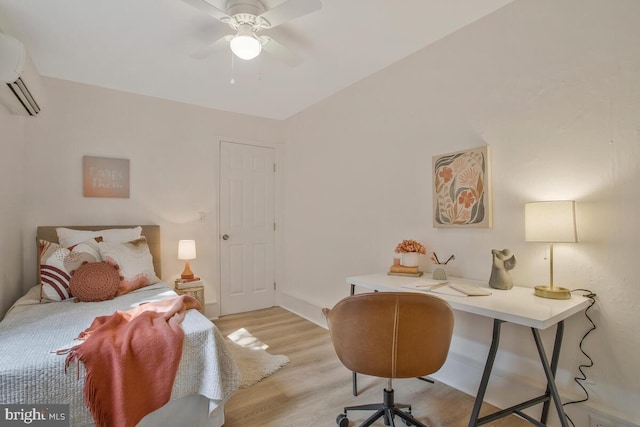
(462, 189)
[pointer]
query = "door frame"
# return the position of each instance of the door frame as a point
(278, 261)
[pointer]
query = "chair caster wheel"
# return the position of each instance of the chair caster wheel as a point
(342, 420)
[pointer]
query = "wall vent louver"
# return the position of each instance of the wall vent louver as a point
(22, 92)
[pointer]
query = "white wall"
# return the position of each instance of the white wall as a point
(554, 88)
(12, 196)
(172, 149)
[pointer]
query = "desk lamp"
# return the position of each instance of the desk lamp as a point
(551, 222)
(187, 251)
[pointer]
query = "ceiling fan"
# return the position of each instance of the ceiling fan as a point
(247, 18)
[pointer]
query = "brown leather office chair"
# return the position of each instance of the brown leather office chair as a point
(390, 335)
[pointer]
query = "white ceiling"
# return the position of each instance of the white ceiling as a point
(145, 47)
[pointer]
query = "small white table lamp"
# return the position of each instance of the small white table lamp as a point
(187, 251)
(551, 222)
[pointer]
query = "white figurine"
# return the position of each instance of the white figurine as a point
(503, 261)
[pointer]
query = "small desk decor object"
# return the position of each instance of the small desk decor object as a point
(409, 251)
(439, 273)
(503, 262)
(398, 269)
(440, 270)
(407, 264)
(405, 271)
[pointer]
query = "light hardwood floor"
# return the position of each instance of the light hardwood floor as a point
(314, 387)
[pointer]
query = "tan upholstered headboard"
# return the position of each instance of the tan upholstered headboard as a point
(151, 232)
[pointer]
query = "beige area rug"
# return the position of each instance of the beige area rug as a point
(252, 359)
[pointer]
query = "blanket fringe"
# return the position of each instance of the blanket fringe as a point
(100, 416)
(71, 357)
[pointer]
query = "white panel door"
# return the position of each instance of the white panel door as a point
(246, 227)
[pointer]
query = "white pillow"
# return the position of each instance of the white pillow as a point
(133, 261)
(68, 237)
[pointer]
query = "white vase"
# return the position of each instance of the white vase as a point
(409, 259)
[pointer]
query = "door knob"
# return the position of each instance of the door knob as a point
(225, 237)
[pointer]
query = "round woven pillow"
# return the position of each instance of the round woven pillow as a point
(94, 281)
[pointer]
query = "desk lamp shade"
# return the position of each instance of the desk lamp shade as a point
(551, 222)
(187, 251)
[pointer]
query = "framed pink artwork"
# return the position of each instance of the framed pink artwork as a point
(462, 189)
(105, 177)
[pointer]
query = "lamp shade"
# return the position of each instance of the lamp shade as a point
(186, 249)
(245, 44)
(550, 222)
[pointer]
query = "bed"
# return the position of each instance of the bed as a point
(31, 333)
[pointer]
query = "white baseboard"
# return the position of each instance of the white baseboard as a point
(212, 310)
(302, 308)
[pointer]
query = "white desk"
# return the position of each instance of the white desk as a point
(517, 305)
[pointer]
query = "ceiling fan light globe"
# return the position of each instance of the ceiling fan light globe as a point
(245, 47)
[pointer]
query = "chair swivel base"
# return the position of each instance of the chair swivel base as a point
(388, 409)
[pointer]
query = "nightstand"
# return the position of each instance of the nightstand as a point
(194, 289)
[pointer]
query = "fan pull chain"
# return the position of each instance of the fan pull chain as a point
(259, 67)
(233, 62)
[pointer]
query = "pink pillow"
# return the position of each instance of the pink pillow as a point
(96, 281)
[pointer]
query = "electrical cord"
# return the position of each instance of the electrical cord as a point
(583, 377)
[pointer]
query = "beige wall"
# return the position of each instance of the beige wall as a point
(12, 205)
(553, 87)
(172, 149)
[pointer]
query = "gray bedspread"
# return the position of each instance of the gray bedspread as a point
(31, 371)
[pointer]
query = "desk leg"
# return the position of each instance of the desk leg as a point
(554, 364)
(354, 376)
(354, 382)
(491, 357)
(550, 373)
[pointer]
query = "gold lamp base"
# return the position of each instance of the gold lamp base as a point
(546, 291)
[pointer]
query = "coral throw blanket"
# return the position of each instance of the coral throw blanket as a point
(131, 359)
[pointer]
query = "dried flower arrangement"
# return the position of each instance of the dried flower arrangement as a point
(410, 246)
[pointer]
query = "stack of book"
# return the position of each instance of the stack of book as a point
(401, 270)
(188, 283)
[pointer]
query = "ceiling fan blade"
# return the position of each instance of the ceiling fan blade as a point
(290, 10)
(209, 9)
(207, 50)
(280, 52)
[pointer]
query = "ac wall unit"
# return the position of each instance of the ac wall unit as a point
(21, 89)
